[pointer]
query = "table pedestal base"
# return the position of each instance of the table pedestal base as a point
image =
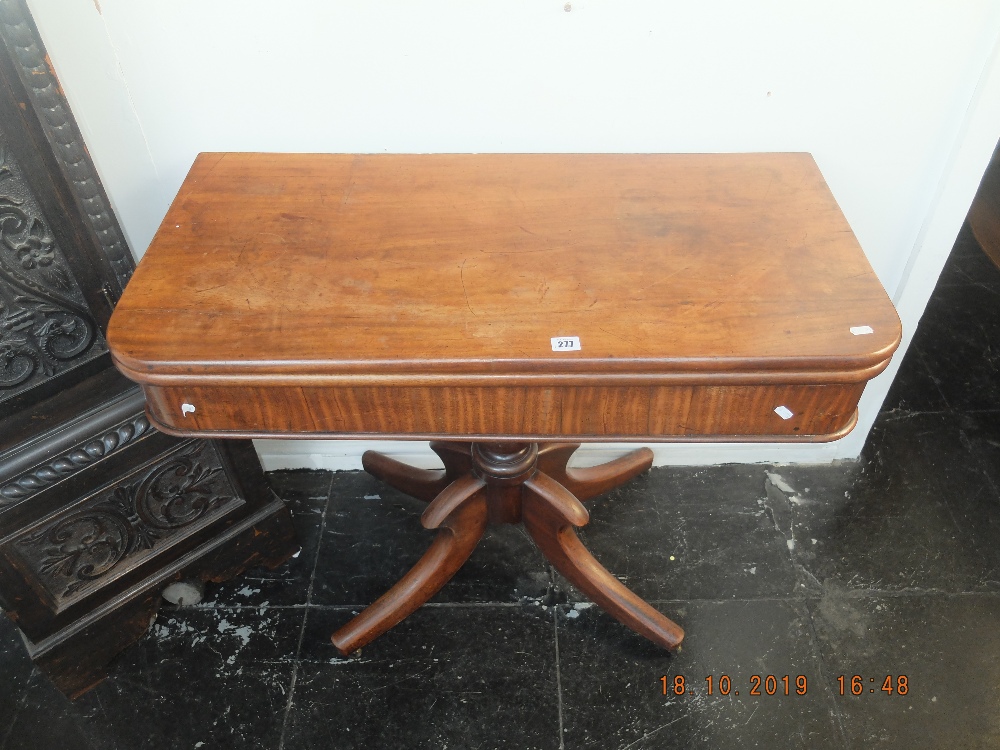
(505, 483)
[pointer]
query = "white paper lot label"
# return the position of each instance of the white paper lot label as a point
(565, 343)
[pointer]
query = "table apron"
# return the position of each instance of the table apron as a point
(658, 412)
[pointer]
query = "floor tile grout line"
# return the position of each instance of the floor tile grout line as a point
(319, 544)
(837, 715)
(934, 380)
(291, 683)
(860, 593)
(904, 413)
(794, 597)
(305, 617)
(17, 714)
(559, 692)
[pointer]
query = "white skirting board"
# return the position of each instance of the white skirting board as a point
(340, 455)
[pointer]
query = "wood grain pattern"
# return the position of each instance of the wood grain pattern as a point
(550, 512)
(406, 295)
(460, 530)
(572, 412)
(507, 484)
(416, 296)
(591, 481)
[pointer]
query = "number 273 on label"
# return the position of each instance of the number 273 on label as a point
(565, 343)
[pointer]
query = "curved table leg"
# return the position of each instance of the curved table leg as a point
(423, 484)
(456, 457)
(549, 513)
(460, 531)
(553, 457)
(592, 480)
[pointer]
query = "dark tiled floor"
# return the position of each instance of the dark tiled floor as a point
(885, 567)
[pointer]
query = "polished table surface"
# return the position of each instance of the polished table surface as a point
(701, 297)
(299, 295)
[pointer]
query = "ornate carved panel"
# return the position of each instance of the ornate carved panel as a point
(45, 327)
(26, 49)
(70, 462)
(88, 544)
(98, 511)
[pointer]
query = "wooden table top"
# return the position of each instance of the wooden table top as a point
(410, 265)
(297, 294)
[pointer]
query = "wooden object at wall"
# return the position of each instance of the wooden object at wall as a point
(984, 214)
(705, 297)
(98, 510)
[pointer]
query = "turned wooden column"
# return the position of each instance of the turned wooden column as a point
(504, 467)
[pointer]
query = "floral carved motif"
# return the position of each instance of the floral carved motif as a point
(74, 551)
(44, 327)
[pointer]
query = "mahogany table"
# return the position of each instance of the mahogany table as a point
(506, 307)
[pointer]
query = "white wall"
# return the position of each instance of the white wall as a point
(899, 101)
